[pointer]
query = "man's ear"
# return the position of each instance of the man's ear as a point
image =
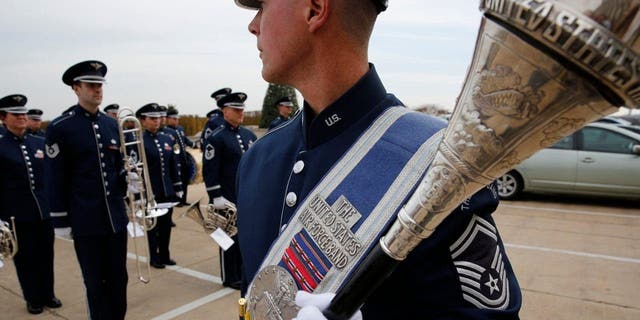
(318, 13)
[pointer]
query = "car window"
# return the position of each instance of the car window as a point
(565, 143)
(635, 129)
(601, 140)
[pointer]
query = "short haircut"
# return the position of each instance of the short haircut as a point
(357, 17)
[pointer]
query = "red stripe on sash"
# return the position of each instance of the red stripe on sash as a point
(304, 279)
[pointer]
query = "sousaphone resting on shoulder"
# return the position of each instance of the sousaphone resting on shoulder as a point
(541, 70)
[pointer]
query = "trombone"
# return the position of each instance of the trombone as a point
(8, 240)
(142, 210)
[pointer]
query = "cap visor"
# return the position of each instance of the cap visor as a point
(15, 110)
(93, 81)
(248, 4)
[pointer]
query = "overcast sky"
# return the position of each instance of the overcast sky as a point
(179, 52)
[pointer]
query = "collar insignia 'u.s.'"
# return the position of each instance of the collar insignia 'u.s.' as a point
(337, 224)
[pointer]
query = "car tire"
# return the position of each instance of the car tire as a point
(510, 185)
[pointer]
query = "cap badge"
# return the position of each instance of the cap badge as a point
(17, 98)
(96, 65)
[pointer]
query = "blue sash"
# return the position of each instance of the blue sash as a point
(346, 213)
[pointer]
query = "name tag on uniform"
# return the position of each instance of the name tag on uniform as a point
(135, 230)
(222, 239)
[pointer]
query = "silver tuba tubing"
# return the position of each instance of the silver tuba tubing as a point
(8, 240)
(224, 219)
(524, 91)
(541, 70)
(141, 205)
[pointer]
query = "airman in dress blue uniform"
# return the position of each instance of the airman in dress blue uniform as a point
(285, 107)
(23, 197)
(343, 97)
(223, 150)
(34, 122)
(215, 117)
(185, 161)
(171, 133)
(164, 178)
(87, 184)
(112, 110)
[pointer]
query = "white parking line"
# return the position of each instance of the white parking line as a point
(573, 253)
(582, 212)
(193, 273)
(194, 304)
(183, 270)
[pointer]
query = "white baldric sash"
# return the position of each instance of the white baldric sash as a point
(343, 217)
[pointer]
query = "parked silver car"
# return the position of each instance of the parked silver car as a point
(601, 159)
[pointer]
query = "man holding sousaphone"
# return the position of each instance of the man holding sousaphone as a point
(316, 195)
(541, 70)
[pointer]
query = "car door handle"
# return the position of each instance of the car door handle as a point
(588, 160)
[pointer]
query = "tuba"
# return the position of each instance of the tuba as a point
(225, 219)
(141, 204)
(541, 70)
(8, 240)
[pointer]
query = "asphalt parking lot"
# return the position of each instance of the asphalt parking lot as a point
(575, 258)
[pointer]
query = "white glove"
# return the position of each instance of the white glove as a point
(64, 233)
(311, 306)
(133, 182)
(223, 203)
(179, 194)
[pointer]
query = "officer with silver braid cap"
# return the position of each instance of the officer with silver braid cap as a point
(318, 191)
(215, 118)
(23, 197)
(185, 161)
(86, 182)
(223, 150)
(34, 122)
(112, 110)
(164, 179)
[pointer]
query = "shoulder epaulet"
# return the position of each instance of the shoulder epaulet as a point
(217, 130)
(61, 118)
(286, 124)
(36, 136)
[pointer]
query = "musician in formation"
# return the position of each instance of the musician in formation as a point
(23, 201)
(285, 107)
(86, 182)
(112, 110)
(215, 118)
(185, 163)
(34, 122)
(223, 149)
(164, 177)
(361, 137)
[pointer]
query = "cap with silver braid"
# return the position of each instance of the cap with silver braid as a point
(381, 5)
